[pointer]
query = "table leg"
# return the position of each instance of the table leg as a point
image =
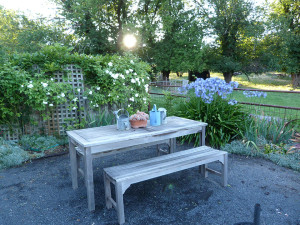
(202, 137)
(89, 178)
(202, 168)
(74, 164)
(172, 145)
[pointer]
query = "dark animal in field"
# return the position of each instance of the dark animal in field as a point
(195, 74)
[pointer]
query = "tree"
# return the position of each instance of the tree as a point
(229, 20)
(20, 34)
(285, 19)
(179, 47)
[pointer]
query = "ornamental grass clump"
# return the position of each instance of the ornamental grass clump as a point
(209, 101)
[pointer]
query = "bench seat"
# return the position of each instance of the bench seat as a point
(124, 175)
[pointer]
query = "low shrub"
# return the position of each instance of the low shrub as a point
(11, 154)
(287, 160)
(207, 102)
(39, 143)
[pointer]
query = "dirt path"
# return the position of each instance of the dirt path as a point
(41, 192)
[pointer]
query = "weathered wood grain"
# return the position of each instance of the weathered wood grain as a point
(102, 141)
(125, 175)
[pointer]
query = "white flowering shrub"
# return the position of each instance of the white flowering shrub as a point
(123, 81)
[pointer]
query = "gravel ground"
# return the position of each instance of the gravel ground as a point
(41, 192)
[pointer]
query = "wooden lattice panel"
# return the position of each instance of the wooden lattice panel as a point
(59, 119)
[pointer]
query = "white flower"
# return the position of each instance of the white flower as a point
(131, 89)
(96, 105)
(137, 79)
(22, 85)
(133, 81)
(124, 84)
(127, 72)
(75, 99)
(108, 95)
(106, 71)
(90, 92)
(30, 81)
(63, 95)
(131, 70)
(98, 88)
(115, 76)
(122, 76)
(129, 105)
(144, 99)
(117, 96)
(48, 93)
(131, 61)
(58, 96)
(52, 79)
(143, 80)
(132, 99)
(45, 103)
(110, 73)
(110, 64)
(50, 104)
(78, 89)
(146, 87)
(136, 95)
(135, 74)
(74, 108)
(44, 84)
(30, 86)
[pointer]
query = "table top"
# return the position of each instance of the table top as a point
(109, 134)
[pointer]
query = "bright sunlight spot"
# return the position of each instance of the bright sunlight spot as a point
(129, 40)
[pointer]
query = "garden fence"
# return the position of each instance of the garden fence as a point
(60, 116)
(262, 110)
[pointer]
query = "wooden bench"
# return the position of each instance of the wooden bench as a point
(124, 175)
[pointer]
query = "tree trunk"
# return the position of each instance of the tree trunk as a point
(295, 80)
(166, 74)
(227, 76)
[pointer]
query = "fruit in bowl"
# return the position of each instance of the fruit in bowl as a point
(139, 119)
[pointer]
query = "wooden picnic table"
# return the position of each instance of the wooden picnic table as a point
(100, 141)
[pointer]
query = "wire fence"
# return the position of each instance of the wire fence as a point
(260, 109)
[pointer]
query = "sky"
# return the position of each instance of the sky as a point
(43, 7)
(31, 7)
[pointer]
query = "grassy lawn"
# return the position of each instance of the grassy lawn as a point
(268, 81)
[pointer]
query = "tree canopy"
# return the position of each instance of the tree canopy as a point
(225, 36)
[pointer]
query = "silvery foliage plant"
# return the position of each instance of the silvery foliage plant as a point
(209, 88)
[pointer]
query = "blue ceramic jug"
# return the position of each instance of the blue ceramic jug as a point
(155, 118)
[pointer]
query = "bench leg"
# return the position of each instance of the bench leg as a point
(225, 170)
(203, 171)
(107, 191)
(120, 203)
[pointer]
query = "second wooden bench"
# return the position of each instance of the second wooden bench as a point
(124, 175)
